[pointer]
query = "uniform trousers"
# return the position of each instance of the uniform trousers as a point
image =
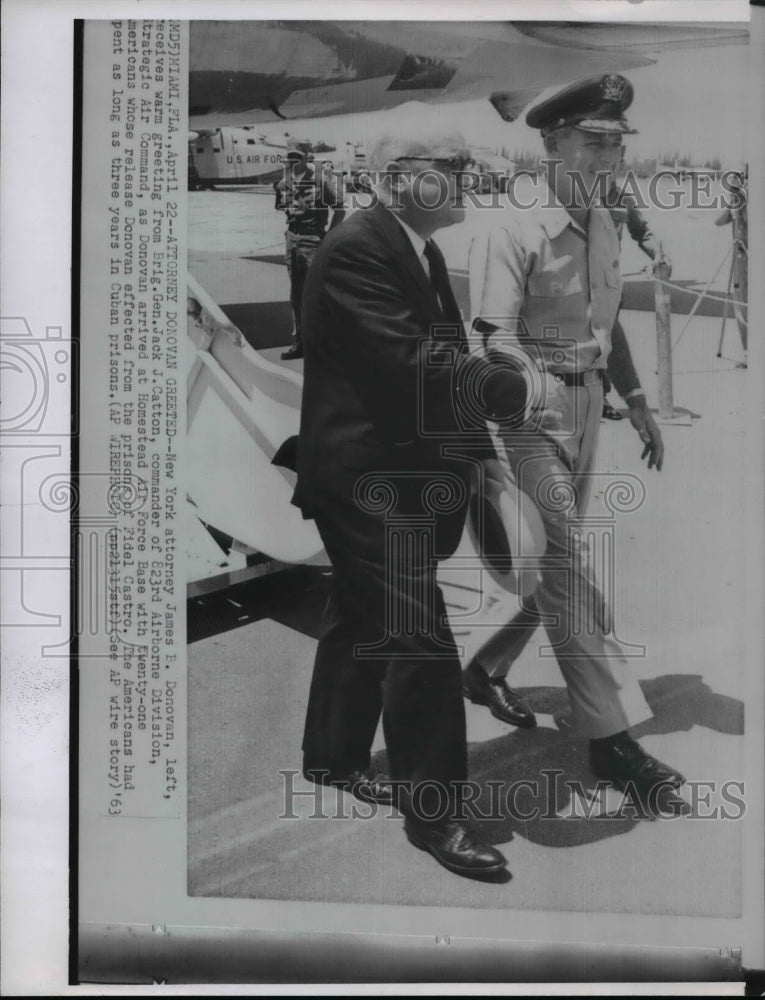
(555, 471)
(301, 249)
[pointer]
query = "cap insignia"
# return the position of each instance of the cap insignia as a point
(613, 87)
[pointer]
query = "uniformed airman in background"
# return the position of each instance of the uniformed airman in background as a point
(735, 215)
(626, 214)
(306, 197)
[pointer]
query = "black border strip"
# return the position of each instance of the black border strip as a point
(74, 609)
(137, 954)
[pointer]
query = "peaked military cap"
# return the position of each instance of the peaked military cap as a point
(294, 150)
(596, 104)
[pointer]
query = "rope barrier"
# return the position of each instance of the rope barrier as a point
(700, 298)
(702, 294)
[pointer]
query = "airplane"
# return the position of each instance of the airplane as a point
(242, 407)
(229, 155)
(246, 72)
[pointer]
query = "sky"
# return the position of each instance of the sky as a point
(693, 101)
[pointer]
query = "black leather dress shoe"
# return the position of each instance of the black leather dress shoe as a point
(503, 703)
(629, 768)
(458, 850)
(293, 353)
(609, 413)
(363, 786)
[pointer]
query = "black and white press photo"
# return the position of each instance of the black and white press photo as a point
(451, 410)
(416, 496)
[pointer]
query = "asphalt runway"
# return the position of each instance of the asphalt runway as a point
(257, 830)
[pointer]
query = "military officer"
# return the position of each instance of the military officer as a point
(545, 280)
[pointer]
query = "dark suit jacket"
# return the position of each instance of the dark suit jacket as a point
(375, 396)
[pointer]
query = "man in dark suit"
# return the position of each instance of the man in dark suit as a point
(387, 374)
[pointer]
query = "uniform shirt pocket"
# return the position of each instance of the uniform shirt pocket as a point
(555, 284)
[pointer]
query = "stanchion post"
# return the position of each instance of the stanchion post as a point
(740, 229)
(725, 307)
(663, 336)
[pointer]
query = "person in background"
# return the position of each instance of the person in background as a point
(306, 200)
(735, 215)
(625, 213)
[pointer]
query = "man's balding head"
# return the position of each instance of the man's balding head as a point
(434, 146)
(418, 175)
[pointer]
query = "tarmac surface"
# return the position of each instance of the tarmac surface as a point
(680, 593)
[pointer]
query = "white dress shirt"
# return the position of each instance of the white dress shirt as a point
(418, 243)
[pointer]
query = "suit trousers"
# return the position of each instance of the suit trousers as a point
(555, 472)
(387, 649)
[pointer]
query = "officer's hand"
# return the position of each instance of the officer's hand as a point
(650, 435)
(550, 408)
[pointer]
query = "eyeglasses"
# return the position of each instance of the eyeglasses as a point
(456, 163)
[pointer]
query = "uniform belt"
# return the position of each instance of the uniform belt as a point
(590, 377)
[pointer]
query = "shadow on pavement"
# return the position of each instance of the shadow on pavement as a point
(680, 701)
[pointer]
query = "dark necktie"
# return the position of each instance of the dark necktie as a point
(439, 280)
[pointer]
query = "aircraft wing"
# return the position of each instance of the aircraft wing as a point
(249, 72)
(646, 38)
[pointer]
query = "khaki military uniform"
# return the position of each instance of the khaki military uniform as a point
(306, 202)
(542, 284)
